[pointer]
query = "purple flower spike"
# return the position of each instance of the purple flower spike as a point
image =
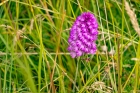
(83, 35)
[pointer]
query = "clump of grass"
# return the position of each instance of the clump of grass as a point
(135, 24)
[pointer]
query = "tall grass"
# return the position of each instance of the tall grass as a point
(33, 47)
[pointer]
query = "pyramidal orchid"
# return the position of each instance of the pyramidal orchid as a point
(83, 35)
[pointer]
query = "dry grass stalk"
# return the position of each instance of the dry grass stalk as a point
(18, 35)
(100, 87)
(133, 18)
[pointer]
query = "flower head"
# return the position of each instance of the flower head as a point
(83, 35)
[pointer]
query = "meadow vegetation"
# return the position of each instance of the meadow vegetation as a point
(34, 40)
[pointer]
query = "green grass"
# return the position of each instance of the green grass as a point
(33, 48)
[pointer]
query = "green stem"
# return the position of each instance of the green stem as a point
(136, 85)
